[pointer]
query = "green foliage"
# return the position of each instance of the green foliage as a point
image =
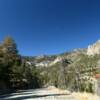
(14, 72)
(69, 73)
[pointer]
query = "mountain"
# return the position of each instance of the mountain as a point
(94, 48)
(48, 61)
(75, 70)
(75, 55)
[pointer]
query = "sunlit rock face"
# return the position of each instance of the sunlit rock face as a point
(49, 63)
(94, 49)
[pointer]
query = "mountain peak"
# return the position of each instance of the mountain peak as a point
(98, 41)
(94, 48)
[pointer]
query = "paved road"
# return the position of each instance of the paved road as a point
(37, 94)
(41, 94)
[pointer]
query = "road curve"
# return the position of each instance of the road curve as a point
(36, 94)
(41, 94)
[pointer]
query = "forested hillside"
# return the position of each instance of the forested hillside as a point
(74, 70)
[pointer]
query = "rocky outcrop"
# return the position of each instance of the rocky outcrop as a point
(94, 49)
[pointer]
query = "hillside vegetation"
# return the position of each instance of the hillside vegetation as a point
(74, 70)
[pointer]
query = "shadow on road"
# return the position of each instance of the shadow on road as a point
(23, 97)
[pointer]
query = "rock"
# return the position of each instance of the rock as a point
(94, 48)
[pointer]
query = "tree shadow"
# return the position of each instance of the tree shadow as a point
(7, 97)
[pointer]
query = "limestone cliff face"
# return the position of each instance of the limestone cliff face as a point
(94, 49)
(50, 60)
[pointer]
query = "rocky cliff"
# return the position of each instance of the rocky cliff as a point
(94, 48)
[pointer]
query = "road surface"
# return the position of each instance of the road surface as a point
(41, 94)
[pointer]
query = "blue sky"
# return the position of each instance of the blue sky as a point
(50, 26)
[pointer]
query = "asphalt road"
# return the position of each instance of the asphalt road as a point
(36, 94)
(42, 94)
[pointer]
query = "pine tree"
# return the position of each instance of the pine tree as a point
(11, 59)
